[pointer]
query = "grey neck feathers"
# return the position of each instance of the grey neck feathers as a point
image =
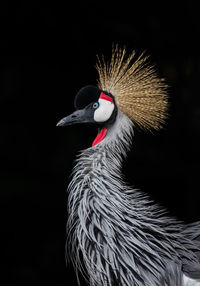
(114, 230)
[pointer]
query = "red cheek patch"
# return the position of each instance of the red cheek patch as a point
(100, 136)
(106, 97)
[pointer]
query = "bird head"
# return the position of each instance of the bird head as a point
(128, 84)
(92, 106)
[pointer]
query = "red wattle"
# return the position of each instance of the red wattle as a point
(100, 136)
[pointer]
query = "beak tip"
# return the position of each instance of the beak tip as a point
(59, 123)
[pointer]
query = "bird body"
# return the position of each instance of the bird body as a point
(115, 234)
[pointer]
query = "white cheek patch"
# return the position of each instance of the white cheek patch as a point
(104, 111)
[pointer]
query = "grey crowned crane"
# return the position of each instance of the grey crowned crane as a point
(115, 234)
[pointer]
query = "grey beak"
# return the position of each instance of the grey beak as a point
(79, 116)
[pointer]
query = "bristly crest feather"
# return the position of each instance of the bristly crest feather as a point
(138, 91)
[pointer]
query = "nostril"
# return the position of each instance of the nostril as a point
(73, 116)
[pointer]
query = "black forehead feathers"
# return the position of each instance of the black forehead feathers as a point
(86, 95)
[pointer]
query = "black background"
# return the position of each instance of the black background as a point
(48, 52)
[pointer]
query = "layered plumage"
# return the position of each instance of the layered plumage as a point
(115, 234)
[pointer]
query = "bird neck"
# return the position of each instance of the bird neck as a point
(101, 165)
(97, 175)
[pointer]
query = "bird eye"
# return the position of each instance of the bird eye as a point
(95, 105)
